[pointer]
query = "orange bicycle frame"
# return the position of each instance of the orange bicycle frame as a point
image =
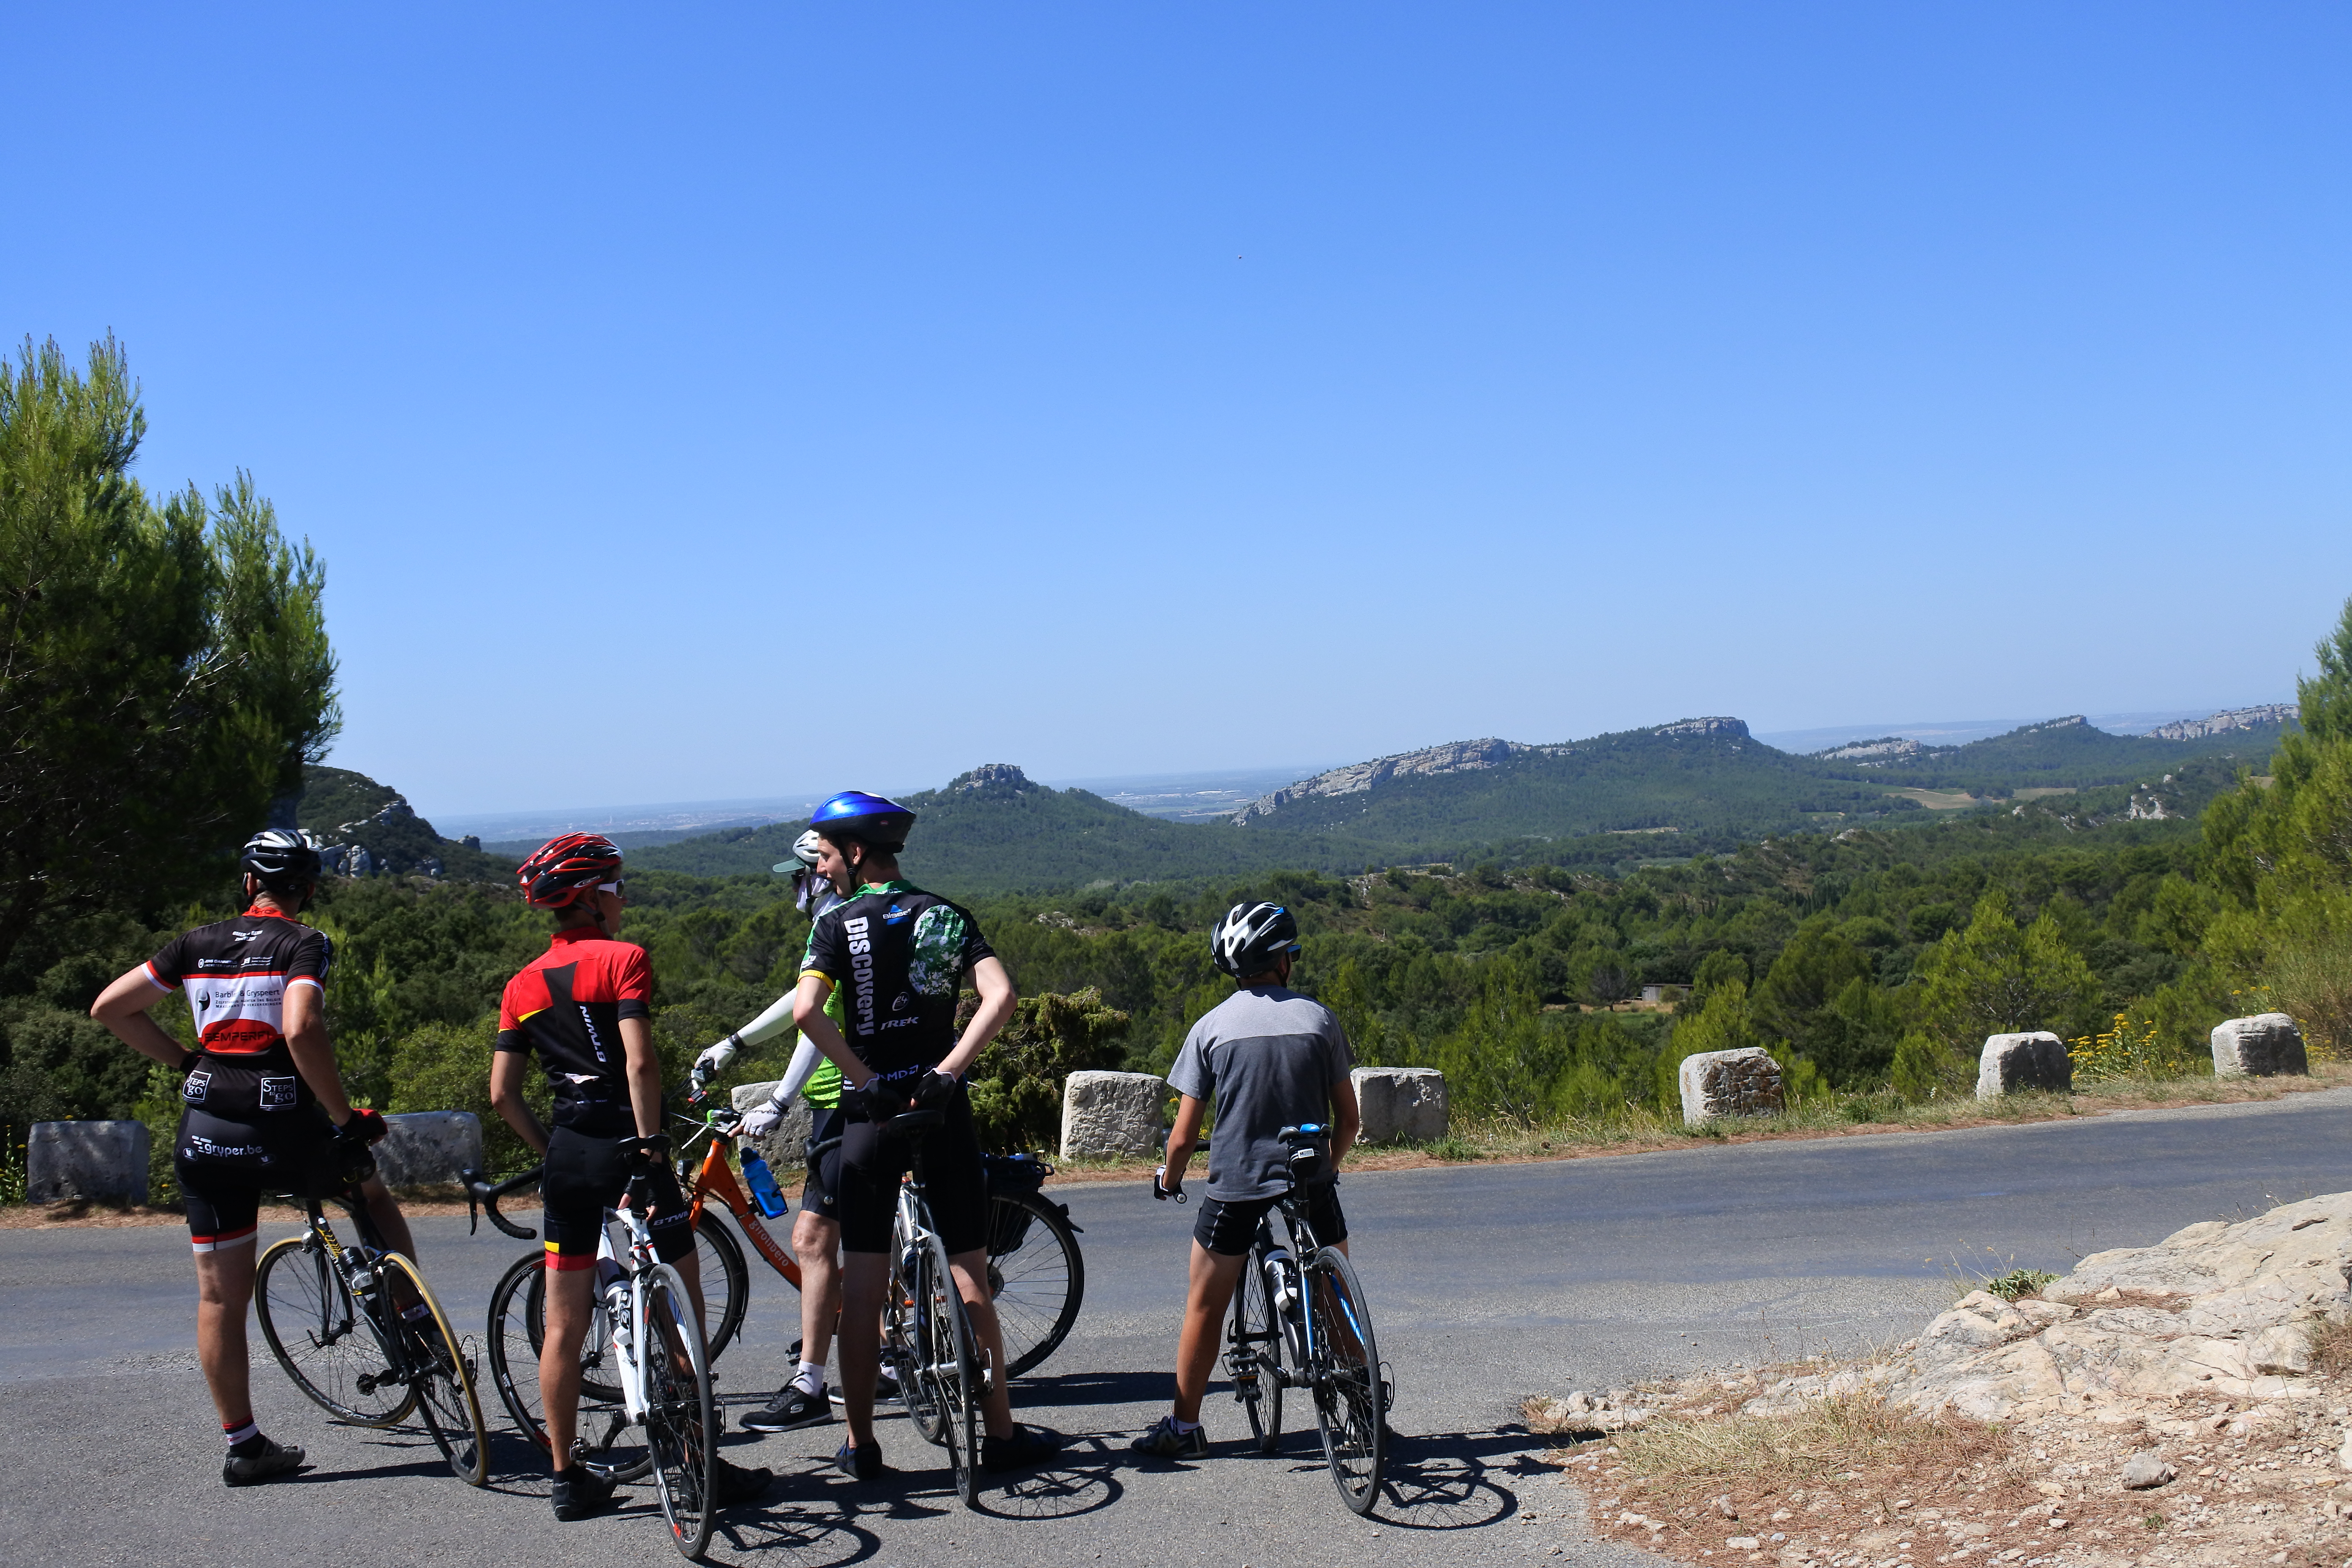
(716, 1179)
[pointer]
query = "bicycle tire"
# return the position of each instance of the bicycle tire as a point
(517, 1332)
(322, 1339)
(905, 1336)
(952, 1366)
(1037, 1285)
(1257, 1374)
(720, 1258)
(682, 1421)
(441, 1376)
(1347, 1380)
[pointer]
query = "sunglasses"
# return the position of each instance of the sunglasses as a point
(618, 889)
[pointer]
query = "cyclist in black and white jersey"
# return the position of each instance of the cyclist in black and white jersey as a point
(263, 1106)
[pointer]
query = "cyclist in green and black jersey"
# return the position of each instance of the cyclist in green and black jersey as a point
(898, 956)
(816, 1234)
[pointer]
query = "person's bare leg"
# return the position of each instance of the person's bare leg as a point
(224, 1288)
(569, 1295)
(864, 1278)
(816, 1244)
(1213, 1275)
(383, 1213)
(971, 1271)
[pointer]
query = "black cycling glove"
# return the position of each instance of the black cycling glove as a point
(934, 1090)
(880, 1098)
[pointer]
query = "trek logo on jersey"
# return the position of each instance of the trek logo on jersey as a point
(861, 968)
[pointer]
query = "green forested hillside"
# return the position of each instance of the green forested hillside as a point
(2062, 753)
(1717, 786)
(343, 807)
(994, 831)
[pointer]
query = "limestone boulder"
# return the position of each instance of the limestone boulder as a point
(426, 1147)
(786, 1148)
(1400, 1104)
(1113, 1115)
(2214, 1311)
(2264, 1045)
(65, 1161)
(2013, 1062)
(1715, 1084)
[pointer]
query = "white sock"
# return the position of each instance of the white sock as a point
(810, 1378)
(1183, 1426)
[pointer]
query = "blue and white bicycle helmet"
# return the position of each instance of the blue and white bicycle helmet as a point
(874, 822)
(1251, 937)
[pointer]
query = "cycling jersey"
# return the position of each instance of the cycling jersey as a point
(567, 1005)
(236, 973)
(898, 956)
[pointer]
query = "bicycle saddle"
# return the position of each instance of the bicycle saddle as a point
(916, 1121)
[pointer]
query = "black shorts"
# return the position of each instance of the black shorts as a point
(587, 1175)
(821, 1193)
(1229, 1228)
(955, 1183)
(226, 1168)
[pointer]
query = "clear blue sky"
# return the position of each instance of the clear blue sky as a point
(701, 401)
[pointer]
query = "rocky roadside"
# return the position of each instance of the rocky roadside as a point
(2185, 1402)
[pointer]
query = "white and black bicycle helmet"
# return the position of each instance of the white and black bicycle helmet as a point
(282, 859)
(1251, 937)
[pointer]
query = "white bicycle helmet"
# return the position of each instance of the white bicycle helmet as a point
(1251, 937)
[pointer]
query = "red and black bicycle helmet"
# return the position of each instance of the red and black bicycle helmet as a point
(562, 871)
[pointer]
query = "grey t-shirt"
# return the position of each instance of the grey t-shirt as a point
(1270, 1058)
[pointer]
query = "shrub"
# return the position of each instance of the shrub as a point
(1017, 1084)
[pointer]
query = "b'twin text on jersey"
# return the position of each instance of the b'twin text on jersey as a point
(861, 970)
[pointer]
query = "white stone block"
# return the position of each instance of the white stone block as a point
(1745, 1082)
(2264, 1045)
(68, 1159)
(2011, 1062)
(1106, 1115)
(424, 1147)
(1400, 1104)
(786, 1148)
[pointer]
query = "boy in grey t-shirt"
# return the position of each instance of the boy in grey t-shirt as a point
(1272, 1059)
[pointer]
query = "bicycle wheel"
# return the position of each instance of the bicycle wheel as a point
(952, 1367)
(441, 1375)
(681, 1425)
(1255, 1359)
(517, 1330)
(905, 1335)
(726, 1282)
(1036, 1281)
(321, 1338)
(1347, 1379)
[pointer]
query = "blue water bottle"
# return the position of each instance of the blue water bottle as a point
(763, 1183)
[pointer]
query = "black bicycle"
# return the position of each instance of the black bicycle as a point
(1304, 1325)
(360, 1332)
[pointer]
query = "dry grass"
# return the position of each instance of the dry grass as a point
(2331, 1348)
(1840, 1475)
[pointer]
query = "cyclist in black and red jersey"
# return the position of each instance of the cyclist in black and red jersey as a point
(899, 955)
(263, 1107)
(585, 1006)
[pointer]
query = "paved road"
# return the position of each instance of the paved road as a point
(1489, 1283)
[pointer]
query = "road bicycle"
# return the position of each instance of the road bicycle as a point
(360, 1332)
(646, 1402)
(927, 1335)
(1305, 1325)
(1037, 1274)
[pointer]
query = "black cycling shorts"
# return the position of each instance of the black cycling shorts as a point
(226, 1168)
(587, 1175)
(821, 1193)
(955, 1183)
(1229, 1227)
